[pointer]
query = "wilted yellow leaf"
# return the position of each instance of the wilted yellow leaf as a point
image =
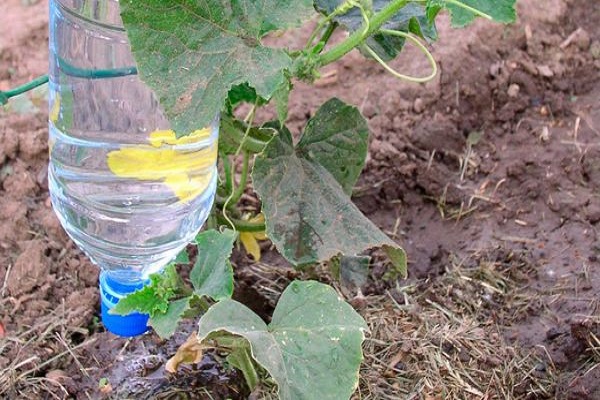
(250, 239)
(189, 352)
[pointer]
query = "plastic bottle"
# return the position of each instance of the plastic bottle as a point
(127, 191)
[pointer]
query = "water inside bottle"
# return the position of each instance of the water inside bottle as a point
(125, 188)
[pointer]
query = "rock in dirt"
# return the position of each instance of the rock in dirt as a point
(513, 90)
(419, 105)
(591, 167)
(595, 49)
(20, 183)
(10, 143)
(545, 71)
(31, 144)
(30, 268)
(13, 221)
(438, 133)
(81, 306)
(592, 213)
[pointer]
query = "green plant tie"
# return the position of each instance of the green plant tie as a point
(4, 96)
(69, 70)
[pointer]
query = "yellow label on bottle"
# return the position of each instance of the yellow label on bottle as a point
(187, 173)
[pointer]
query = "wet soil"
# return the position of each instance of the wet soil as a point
(499, 155)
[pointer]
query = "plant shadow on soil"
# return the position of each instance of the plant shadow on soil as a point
(503, 300)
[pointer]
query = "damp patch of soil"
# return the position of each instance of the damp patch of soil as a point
(489, 176)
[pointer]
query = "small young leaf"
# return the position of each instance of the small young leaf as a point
(153, 298)
(308, 215)
(312, 348)
(212, 274)
(165, 324)
(399, 263)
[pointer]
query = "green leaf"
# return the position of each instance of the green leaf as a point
(212, 274)
(281, 99)
(499, 10)
(183, 257)
(153, 298)
(241, 358)
(165, 324)
(399, 263)
(337, 138)
(312, 348)
(410, 18)
(308, 215)
(191, 53)
(243, 93)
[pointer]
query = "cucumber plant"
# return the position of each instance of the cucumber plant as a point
(205, 57)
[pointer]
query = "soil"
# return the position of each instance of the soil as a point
(495, 161)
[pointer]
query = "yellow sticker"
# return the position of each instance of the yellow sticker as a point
(187, 173)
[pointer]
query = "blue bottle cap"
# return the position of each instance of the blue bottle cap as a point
(111, 291)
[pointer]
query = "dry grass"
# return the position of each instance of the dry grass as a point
(442, 338)
(444, 341)
(32, 353)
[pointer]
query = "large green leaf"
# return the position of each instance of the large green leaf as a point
(308, 215)
(499, 10)
(312, 348)
(191, 53)
(411, 18)
(212, 274)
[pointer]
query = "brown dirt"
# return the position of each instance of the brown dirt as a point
(525, 214)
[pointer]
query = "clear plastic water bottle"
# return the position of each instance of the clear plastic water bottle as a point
(127, 191)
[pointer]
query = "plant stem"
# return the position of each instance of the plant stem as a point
(419, 45)
(239, 190)
(327, 35)
(228, 178)
(241, 225)
(235, 131)
(359, 35)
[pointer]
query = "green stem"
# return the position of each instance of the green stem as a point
(419, 45)
(39, 81)
(359, 35)
(235, 130)
(315, 32)
(241, 225)
(228, 177)
(327, 35)
(239, 190)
